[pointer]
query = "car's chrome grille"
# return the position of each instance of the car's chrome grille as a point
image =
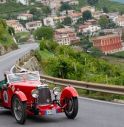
(44, 96)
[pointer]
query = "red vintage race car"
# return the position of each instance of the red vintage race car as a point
(26, 94)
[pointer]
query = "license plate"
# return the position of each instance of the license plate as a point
(50, 112)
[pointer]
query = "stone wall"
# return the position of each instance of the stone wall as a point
(4, 50)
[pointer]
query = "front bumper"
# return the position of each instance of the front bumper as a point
(50, 109)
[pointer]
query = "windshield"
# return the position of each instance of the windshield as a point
(20, 77)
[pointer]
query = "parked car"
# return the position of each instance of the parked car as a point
(26, 94)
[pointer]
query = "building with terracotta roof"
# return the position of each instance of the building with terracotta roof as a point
(16, 25)
(120, 20)
(33, 25)
(75, 16)
(89, 29)
(59, 19)
(49, 21)
(2, 1)
(70, 2)
(25, 16)
(66, 36)
(108, 44)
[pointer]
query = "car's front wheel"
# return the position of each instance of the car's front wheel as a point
(71, 109)
(19, 110)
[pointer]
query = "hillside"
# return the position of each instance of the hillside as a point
(6, 41)
(65, 62)
(11, 9)
(111, 5)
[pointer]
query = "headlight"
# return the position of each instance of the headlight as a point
(35, 93)
(56, 91)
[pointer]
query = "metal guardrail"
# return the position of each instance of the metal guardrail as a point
(112, 89)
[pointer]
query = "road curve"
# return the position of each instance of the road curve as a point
(7, 60)
(91, 113)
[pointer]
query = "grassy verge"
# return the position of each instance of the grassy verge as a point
(118, 54)
(44, 55)
(22, 37)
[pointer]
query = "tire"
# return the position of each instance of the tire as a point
(71, 109)
(19, 110)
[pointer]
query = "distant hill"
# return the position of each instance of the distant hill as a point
(111, 5)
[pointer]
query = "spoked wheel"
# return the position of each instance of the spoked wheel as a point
(19, 110)
(71, 109)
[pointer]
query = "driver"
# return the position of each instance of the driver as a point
(3, 81)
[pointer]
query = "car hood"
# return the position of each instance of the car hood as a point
(27, 83)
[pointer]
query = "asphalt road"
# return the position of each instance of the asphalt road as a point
(8, 60)
(92, 113)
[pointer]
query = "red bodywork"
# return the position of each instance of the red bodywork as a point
(23, 91)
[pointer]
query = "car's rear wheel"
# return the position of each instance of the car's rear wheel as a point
(19, 110)
(71, 109)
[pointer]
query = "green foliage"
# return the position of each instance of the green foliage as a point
(43, 55)
(118, 54)
(11, 9)
(44, 33)
(85, 43)
(5, 37)
(87, 15)
(80, 21)
(36, 13)
(95, 52)
(50, 45)
(92, 2)
(105, 22)
(46, 10)
(11, 30)
(59, 25)
(122, 37)
(67, 21)
(105, 9)
(111, 5)
(72, 64)
(22, 37)
(65, 6)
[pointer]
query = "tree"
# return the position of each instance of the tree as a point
(59, 25)
(103, 22)
(87, 15)
(80, 21)
(46, 10)
(44, 33)
(95, 52)
(36, 13)
(67, 21)
(50, 45)
(92, 2)
(105, 9)
(122, 37)
(65, 6)
(11, 30)
(85, 43)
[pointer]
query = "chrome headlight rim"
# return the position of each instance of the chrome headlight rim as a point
(56, 91)
(35, 93)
